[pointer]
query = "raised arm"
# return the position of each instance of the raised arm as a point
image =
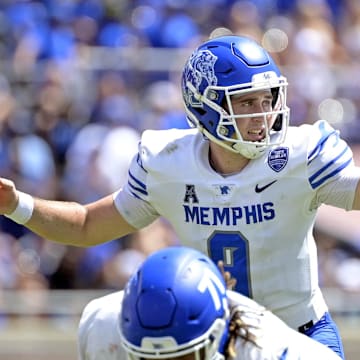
(67, 222)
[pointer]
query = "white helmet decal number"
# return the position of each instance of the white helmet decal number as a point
(212, 283)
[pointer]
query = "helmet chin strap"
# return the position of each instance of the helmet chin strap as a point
(250, 152)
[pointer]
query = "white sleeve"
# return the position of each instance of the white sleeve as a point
(331, 170)
(132, 200)
(86, 321)
(302, 347)
(268, 332)
(340, 193)
(98, 332)
(274, 339)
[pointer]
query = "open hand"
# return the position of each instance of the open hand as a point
(8, 196)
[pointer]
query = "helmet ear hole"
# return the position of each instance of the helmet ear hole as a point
(201, 111)
(279, 119)
(278, 123)
(275, 95)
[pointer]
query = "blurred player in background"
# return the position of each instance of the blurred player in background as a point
(176, 306)
(242, 186)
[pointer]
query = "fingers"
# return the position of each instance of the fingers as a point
(229, 280)
(231, 284)
(220, 265)
(6, 183)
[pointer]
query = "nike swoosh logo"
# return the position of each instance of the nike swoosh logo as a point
(259, 189)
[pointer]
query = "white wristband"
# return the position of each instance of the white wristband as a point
(24, 209)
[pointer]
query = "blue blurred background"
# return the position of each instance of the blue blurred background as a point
(79, 82)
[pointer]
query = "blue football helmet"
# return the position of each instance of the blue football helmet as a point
(175, 305)
(221, 68)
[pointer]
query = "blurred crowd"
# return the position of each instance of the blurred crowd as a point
(81, 79)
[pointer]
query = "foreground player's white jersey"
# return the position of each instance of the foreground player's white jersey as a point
(99, 334)
(259, 221)
(274, 339)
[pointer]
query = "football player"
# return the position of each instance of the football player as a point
(241, 186)
(176, 307)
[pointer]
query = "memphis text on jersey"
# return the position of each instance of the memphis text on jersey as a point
(222, 215)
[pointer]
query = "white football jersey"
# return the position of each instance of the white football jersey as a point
(259, 222)
(99, 335)
(274, 339)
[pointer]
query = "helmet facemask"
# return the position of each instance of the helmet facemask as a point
(217, 100)
(204, 347)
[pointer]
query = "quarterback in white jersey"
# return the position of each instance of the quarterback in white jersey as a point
(238, 327)
(259, 221)
(243, 186)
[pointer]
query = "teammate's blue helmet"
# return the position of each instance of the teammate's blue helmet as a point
(221, 68)
(175, 305)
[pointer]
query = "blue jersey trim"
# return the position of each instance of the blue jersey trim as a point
(330, 163)
(284, 354)
(320, 145)
(137, 196)
(137, 189)
(139, 162)
(314, 185)
(138, 182)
